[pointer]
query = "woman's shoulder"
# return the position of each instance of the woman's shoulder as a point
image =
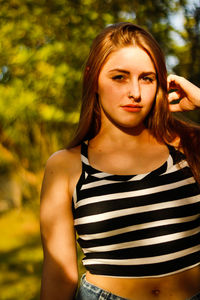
(62, 171)
(64, 160)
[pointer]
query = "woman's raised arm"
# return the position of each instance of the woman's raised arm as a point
(60, 275)
(187, 92)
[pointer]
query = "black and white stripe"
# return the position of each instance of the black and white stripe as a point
(138, 226)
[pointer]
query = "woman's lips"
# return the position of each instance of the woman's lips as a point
(132, 107)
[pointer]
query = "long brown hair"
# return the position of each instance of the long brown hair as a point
(160, 121)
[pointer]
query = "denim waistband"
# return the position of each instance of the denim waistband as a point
(88, 291)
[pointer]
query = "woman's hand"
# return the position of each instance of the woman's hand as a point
(187, 93)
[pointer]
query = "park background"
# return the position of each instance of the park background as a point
(43, 47)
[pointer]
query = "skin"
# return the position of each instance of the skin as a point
(107, 152)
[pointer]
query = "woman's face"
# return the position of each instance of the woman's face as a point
(127, 87)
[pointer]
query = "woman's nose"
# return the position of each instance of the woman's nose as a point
(135, 90)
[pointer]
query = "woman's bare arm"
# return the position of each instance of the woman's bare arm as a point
(60, 275)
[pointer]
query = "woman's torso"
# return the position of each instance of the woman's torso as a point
(181, 285)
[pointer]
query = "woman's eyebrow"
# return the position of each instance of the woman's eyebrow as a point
(127, 72)
(148, 73)
(119, 70)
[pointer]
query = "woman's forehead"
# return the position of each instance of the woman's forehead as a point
(129, 57)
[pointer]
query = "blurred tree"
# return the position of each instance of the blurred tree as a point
(188, 53)
(43, 46)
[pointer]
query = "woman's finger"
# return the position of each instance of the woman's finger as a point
(173, 96)
(175, 107)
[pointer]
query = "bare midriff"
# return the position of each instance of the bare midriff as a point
(179, 286)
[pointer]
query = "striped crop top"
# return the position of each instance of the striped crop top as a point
(138, 226)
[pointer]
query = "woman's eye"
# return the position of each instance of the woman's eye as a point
(118, 77)
(148, 79)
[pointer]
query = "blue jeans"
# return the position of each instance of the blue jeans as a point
(88, 291)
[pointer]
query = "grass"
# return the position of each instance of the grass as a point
(21, 255)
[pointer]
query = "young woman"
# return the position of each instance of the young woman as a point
(128, 183)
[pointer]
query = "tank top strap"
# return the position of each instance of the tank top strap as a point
(85, 162)
(176, 155)
(84, 153)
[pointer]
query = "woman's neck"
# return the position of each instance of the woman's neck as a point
(123, 137)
